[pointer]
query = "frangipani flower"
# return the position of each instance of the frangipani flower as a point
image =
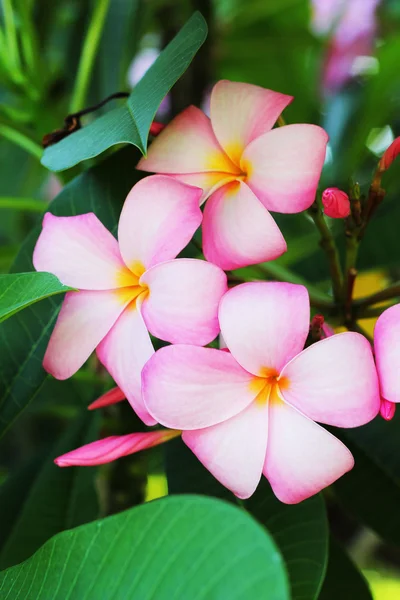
(252, 410)
(129, 287)
(244, 167)
(387, 357)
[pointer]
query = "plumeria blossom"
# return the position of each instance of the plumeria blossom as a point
(387, 357)
(252, 410)
(130, 287)
(244, 167)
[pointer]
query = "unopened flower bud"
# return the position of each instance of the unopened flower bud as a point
(156, 128)
(336, 203)
(390, 154)
(387, 409)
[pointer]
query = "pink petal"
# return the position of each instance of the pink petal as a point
(265, 324)
(113, 396)
(302, 457)
(208, 182)
(158, 220)
(182, 306)
(80, 251)
(124, 352)
(334, 381)
(387, 352)
(237, 230)
(284, 166)
(234, 451)
(195, 387)
(187, 145)
(113, 447)
(241, 112)
(84, 319)
(387, 409)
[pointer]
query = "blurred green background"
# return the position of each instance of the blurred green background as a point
(338, 58)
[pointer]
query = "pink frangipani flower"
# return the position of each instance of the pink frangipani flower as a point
(387, 357)
(253, 410)
(244, 167)
(130, 287)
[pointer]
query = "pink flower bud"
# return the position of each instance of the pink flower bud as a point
(156, 128)
(387, 409)
(390, 154)
(336, 203)
(111, 397)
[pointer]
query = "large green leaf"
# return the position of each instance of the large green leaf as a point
(41, 499)
(178, 547)
(19, 290)
(300, 531)
(131, 123)
(24, 336)
(343, 580)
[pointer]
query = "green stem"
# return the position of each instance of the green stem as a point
(328, 245)
(281, 121)
(22, 140)
(393, 291)
(88, 55)
(26, 204)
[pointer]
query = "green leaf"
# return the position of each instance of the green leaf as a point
(24, 336)
(130, 123)
(26, 521)
(19, 290)
(177, 547)
(343, 580)
(300, 531)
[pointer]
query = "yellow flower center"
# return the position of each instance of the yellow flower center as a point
(129, 286)
(268, 386)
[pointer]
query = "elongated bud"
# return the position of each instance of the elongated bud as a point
(111, 397)
(387, 409)
(156, 128)
(389, 155)
(336, 203)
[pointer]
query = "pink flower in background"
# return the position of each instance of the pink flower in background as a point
(252, 410)
(244, 167)
(129, 287)
(336, 203)
(387, 357)
(353, 27)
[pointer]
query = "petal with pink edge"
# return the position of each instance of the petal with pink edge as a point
(195, 387)
(237, 230)
(241, 112)
(284, 165)
(302, 458)
(158, 220)
(234, 451)
(334, 381)
(182, 306)
(387, 352)
(124, 352)
(187, 145)
(84, 319)
(80, 251)
(265, 324)
(113, 447)
(113, 396)
(208, 182)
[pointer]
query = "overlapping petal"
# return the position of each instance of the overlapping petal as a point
(182, 305)
(124, 352)
(334, 381)
(158, 220)
(80, 251)
(238, 230)
(84, 319)
(208, 182)
(234, 451)
(265, 324)
(187, 145)
(113, 447)
(241, 112)
(387, 352)
(284, 165)
(302, 458)
(187, 387)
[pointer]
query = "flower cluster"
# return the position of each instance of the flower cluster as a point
(257, 406)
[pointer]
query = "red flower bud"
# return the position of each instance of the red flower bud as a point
(390, 154)
(336, 203)
(156, 128)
